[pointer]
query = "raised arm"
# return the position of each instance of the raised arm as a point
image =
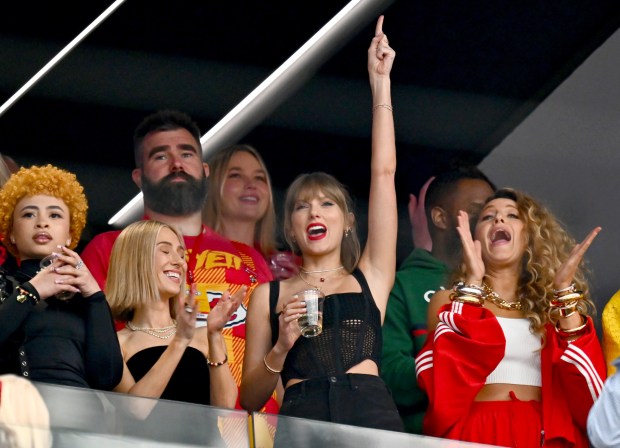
(417, 218)
(378, 260)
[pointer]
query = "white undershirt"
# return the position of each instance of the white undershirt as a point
(521, 362)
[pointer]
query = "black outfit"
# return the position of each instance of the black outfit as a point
(71, 343)
(351, 334)
(189, 383)
(190, 380)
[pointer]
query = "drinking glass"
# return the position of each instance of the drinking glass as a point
(47, 262)
(311, 323)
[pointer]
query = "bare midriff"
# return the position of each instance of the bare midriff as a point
(501, 392)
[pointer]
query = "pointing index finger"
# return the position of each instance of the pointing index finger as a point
(379, 27)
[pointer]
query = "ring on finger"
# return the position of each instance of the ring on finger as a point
(188, 309)
(79, 265)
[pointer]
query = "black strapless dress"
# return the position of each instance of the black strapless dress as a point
(170, 422)
(190, 380)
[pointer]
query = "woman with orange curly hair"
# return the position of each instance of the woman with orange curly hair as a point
(43, 337)
(514, 359)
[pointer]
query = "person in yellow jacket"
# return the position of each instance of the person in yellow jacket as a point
(611, 332)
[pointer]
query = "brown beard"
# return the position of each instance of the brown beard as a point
(175, 198)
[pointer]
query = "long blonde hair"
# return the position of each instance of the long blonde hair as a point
(131, 278)
(265, 229)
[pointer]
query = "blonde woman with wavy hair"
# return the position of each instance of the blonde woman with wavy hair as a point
(513, 359)
(165, 355)
(240, 205)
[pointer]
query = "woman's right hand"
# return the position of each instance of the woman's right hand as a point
(48, 282)
(289, 328)
(472, 251)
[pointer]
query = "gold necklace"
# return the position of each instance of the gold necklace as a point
(319, 271)
(307, 282)
(494, 298)
(161, 333)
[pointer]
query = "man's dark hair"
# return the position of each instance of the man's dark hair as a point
(446, 183)
(162, 120)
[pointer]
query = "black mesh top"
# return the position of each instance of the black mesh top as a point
(351, 334)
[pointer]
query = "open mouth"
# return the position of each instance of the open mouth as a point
(252, 199)
(500, 235)
(173, 275)
(316, 231)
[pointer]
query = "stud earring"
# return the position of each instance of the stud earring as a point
(347, 232)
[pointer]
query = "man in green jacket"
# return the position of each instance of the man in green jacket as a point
(421, 274)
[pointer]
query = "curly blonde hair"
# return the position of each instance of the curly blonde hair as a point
(548, 246)
(46, 180)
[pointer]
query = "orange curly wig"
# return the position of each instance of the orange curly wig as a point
(47, 180)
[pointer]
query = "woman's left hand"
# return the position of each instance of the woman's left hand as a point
(220, 314)
(380, 54)
(70, 264)
(566, 272)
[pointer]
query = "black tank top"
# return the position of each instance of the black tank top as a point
(351, 334)
(190, 380)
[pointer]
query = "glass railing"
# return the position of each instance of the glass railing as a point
(81, 417)
(302, 433)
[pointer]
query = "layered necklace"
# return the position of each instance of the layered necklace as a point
(318, 271)
(494, 298)
(160, 333)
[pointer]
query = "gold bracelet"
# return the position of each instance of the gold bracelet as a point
(562, 292)
(23, 295)
(269, 369)
(217, 364)
(570, 297)
(386, 106)
(463, 298)
(577, 331)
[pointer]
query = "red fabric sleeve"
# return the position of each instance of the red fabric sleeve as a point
(453, 365)
(573, 376)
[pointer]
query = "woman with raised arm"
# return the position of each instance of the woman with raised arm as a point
(514, 359)
(165, 355)
(333, 376)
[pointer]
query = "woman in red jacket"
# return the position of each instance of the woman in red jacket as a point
(514, 359)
